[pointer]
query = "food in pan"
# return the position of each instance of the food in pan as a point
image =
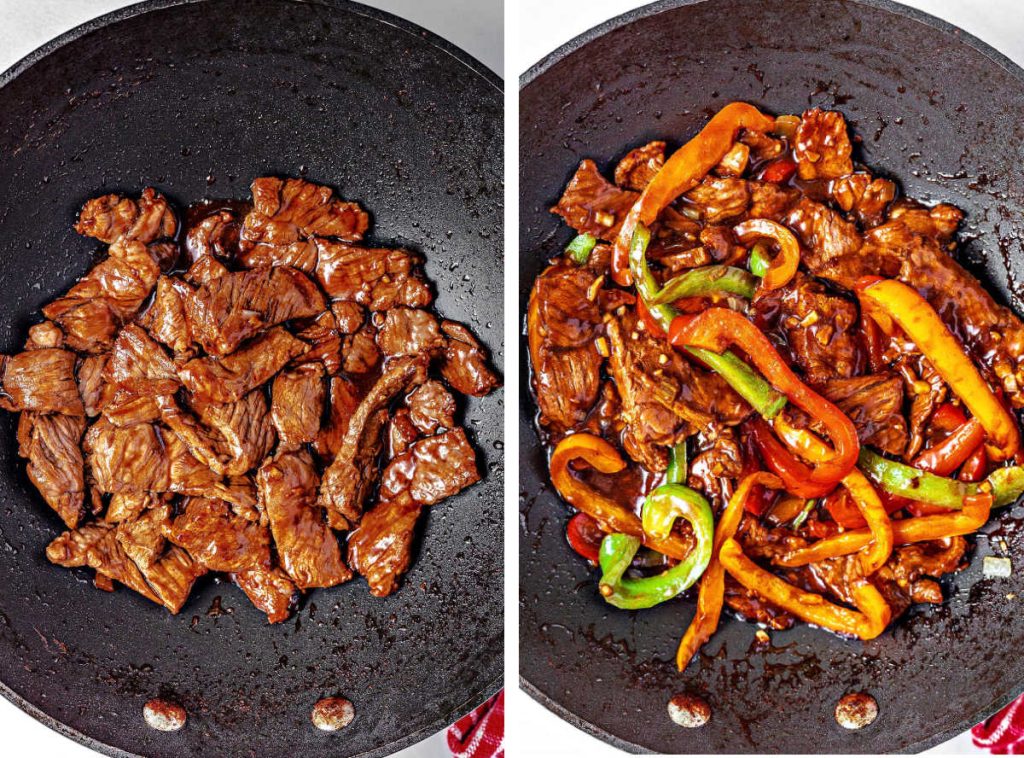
(763, 374)
(253, 392)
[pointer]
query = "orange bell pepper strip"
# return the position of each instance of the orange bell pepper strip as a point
(969, 519)
(716, 329)
(711, 594)
(610, 516)
(867, 622)
(783, 266)
(682, 172)
(888, 300)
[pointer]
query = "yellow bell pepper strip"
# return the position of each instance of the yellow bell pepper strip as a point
(888, 300)
(782, 268)
(711, 594)
(662, 507)
(612, 517)
(682, 172)
(974, 514)
(716, 329)
(860, 489)
(867, 622)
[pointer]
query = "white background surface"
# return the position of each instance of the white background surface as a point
(536, 28)
(473, 25)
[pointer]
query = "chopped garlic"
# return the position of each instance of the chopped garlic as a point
(996, 567)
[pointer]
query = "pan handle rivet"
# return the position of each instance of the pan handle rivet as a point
(856, 710)
(163, 715)
(689, 711)
(332, 713)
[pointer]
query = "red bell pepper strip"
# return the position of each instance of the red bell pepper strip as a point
(650, 323)
(890, 300)
(976, 467)
(779, 171)
(682, 172)
(783, 266)
(946, 456)
(584, 536)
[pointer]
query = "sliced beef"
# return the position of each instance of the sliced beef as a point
(51, 443)
(401, 433)
(904, 579)
(229, 378)
(640, 165)
(307, 548)
(166, 319)
(466, 366)
(381, 548)
(875, 405)
(287, 211)
(91, 385)
(216, 237)
(753, 607)
(409, 331)
(377, 278)
(205, 270)
(432, 469)
(717, 199)
(172, 577)
(123, 408)
(831, 244)
(593, 205)
(232, 308)
(202, 442)
(350, 477)
(143, 538)
(562, 326)
(112, 217)
(822, 146)
(770, 200)
(431, 406)
(297, 404)
(270, 590)
(139, 366)
(212, 534)
(863, 196)
(719, 457)
(360, 354)
(41, 380)
(127, 506)
(244, 434)
(350, 316)
(96, 546)
(324, 340)
(344, 400)
(44, 335)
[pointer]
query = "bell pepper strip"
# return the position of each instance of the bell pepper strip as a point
(682, 172)
(804, 513)
(1007, 485)
(872, 337)
(580, 248)
(677, 468)
(716, 329)
(975, 467)
(913, 483)
(759, 259)
(783, 267)
(867, 622)
(584, 536)
(650, 323)
(946, 456)
(779, 171)
(646, 285)
(662, 507)
(762, 397)
(905, 306)
(707, 280)
(975, 513)
(610, 516)
(948, 417)
(783, 463)
(711, 594)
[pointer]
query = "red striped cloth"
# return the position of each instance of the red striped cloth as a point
(1003, 734)
(481, 733)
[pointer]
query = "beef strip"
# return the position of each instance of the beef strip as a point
(640, 165)
(122, 408)
(205, 270)
(41, 380)
(717, 199)
(290, 210)
(822, 146)
(201, 441)
(863, 196)
(350, 316)
(562, 325)
(227, 379)
(166, 319)
(409, 331)
(875, 405)
(349, 478)
(324, 340)
(360, 352)
(216, 237)
(139, 366)
(903, 580)
(307, 548)
(51, 443)
(213, 535)
(431, 406)
(770, 200)
(270, 590)
(465, 366)
(297, 405)
(244, 432)
(593, 205)
(344, 400)
(753, 607)
(142, 537)
(91, 385)
(111, 217)
(719, 457)
(44, 335)
(830, 243)
(377, 278)
(432, 469)
(232, 308)
(96, 546)
(381, 548)
(126, 506)
(401, 433)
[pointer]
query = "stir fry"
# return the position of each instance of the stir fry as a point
(763, 374)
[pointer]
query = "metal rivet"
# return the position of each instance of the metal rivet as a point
(164, 715)
(689, 711)
(332, 713)
(856, 710)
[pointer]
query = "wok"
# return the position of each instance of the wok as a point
(197, 99)
(937, 110)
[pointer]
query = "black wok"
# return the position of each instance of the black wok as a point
(940, 111)
(196, 99)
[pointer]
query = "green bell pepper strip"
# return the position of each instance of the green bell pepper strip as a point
(912, 483)
(580, 248)
(750, 385)
(1007, 485)
(661, 508)
(801, 517)
(646, 285)
(676, 471)
(707, 280)
(760, 262)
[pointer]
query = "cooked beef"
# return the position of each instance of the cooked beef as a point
(830, 243)
(51, 443)
(432, 469)
(381, 548)
(593, 205)
(270, 590)
(307, 548)
(287, 211)
(244, 432)
(324, 342)
(916, 369)
(126, 506)
(96, 546)
(349, 478)
(344, 400)
(217, 538)
(903, 579)
(409, 331)
(143, 538)
(562, 325)
(863, 196)
(172, 577)
(875, 405)
(201, 441)
(122, 408)
(350, 316)
(719, 458)
(753, 607)
(465, 366)
(431, 406)
(205, 270)
(91, 385)
(297, 404)
(377, 278)
(41, 380)
(44, 335)
(360, 354)
(675, 239)
(232, 308)
(816, 328)
(167, 317)
(401, 433)
(770, 200)
(822, 147)
(717, 199)
(665, 398)
(111, 217)
(139, 366)
(216, 237)
(229, 378)
(640, 165)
